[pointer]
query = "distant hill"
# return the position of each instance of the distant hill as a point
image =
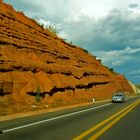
(138, 86)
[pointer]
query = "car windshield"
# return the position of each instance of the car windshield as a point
(118, 95)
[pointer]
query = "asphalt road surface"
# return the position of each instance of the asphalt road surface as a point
(109, 121)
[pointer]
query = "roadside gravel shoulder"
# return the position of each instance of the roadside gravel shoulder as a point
(32, 113)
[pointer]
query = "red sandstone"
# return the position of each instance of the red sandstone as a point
(31, 56)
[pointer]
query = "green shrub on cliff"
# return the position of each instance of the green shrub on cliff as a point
(38, 96)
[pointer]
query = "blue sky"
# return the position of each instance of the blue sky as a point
(108, 29)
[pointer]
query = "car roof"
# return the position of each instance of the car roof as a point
(119, 93)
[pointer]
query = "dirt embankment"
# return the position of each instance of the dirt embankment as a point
(38, 67)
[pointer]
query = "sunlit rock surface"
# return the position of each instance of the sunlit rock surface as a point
(33, 59)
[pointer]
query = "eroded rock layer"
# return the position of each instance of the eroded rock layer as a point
(34, 60)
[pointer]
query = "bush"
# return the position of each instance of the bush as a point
(38, 96)
(52, 29)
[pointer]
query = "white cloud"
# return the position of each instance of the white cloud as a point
(133, 6)
(134, 73)
(118, 57)
(119, 28)
(128, 50)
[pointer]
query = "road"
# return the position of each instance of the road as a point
(110, 121)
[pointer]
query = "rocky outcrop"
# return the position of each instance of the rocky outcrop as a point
(34, 60)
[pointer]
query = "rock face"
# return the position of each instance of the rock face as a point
(35, 61)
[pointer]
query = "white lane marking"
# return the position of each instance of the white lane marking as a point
(54, 118)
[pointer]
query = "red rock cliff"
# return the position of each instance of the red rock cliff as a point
(33, 60)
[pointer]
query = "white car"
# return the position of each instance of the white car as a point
(118, 97)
